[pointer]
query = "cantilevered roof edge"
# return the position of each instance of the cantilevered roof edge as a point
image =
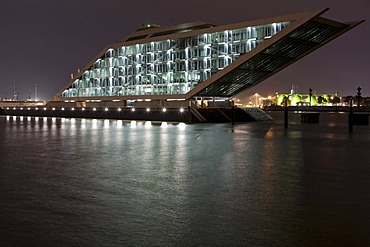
(344, 30)
(298, 21)
(218, 28)
(286, 31)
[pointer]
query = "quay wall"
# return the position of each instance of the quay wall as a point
(140, 114)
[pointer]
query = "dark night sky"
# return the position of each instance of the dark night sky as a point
(44, 41)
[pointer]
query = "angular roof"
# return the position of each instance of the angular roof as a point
(153, 30)
(306, 33)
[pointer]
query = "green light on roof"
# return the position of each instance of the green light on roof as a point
(148, 25)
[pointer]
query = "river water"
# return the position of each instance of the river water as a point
(81, 182)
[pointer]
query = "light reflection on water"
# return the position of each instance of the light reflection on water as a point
(113, 183)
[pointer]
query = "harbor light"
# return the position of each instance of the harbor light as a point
(182, 126)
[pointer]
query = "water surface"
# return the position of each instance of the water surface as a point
(79, 182)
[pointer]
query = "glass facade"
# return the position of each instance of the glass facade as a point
(170, 66)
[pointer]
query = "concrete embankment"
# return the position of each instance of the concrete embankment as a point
(188, 115)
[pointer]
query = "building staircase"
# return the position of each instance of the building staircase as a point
(224, 115)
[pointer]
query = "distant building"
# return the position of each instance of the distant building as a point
(197, 61)
(297, 99)
(316, 99)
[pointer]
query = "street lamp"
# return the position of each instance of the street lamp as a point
(358, 97)
(310, 93)
(256, 94)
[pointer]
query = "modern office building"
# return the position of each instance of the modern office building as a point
(193, 61)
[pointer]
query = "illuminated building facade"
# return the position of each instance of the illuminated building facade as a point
(170, 66)
(198, 60)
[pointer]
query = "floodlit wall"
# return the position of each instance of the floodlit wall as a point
(171, 66)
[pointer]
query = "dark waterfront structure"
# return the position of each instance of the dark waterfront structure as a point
(194, 64)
